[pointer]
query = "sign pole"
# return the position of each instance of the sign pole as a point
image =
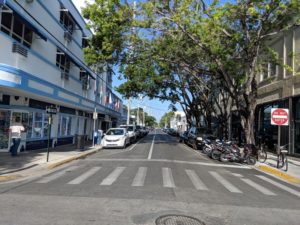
(278, 141)
(49, 133)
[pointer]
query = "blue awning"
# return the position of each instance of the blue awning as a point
(24, 20)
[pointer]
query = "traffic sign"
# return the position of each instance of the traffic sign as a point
(51, 110)
(95, 115)
(279, 116)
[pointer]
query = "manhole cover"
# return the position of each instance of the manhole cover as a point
(177, 220)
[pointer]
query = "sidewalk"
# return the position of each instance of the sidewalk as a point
(30, 162)
(270, 167)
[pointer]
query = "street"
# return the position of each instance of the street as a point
(156, 176)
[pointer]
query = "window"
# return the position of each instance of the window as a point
(13, 26)
(273, 69)
(66, 20)
(62, 61)
(64, 126)
(264, 71)
(85, 42)
(37, 125)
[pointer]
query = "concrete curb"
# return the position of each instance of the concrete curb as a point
(279, 174)
(80, 156)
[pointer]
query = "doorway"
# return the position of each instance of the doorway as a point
(4, 130)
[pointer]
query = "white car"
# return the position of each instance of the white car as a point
(116, 138)
(131, 132)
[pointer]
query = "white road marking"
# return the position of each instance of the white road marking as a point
(237, 175)
(172, 161)
(258, 187)
(168, 180)
(113, 176)
(85, 176)
(56, 175)
(140, 176)
(151, 148)
(230, 187)
(198, 184)
(279, 185)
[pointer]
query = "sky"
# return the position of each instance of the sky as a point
(155, 108)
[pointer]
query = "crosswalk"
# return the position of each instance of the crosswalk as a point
(231, 182)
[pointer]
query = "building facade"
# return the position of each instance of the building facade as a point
(178, 122)
(279, 87)
(42, 65)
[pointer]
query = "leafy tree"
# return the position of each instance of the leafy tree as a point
(189, 52)
(165, 119)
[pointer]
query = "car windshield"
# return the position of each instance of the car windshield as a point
(115, 132)
(130, 128)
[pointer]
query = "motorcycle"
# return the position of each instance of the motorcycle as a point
(233, 154)
(219, 147)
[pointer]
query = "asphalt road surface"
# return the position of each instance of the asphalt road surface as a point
(155, 177)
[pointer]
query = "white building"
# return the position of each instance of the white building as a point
(178, 122)
(42, 65)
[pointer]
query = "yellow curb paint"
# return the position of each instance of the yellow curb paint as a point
(53, 165)
(8, 178)
(280, 174)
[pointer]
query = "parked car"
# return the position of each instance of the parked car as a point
(172, 132)
(131, 129)
(116, 138)
(196, 135)
(183, 137)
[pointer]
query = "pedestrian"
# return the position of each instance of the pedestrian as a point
(100, 134)
(16, 130)
(95, 137)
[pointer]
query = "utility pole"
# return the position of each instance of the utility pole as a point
(144, 123)
(128, 110)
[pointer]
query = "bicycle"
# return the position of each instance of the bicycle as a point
(261, 152)
(282, 160)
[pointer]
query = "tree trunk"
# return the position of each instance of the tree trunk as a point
(247, 121)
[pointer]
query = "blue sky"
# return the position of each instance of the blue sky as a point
(155, 108)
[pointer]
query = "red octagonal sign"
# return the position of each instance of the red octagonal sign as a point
(280, 116)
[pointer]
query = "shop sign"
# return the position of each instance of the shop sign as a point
(95, 115)
(280, 116)
(51, 110)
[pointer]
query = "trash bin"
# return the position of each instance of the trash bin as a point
(80, 142)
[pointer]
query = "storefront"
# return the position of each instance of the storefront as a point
(289, 134)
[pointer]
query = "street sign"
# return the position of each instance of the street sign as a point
(279, 116)
(51, 110)
(95, 115)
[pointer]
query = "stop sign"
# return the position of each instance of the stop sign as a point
(279, 116)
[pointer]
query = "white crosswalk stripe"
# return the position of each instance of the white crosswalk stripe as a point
(85, 176)
(230, 187)
(56, 175)
(258, 187)
(140, 177)
(168, 180)
(279, 185)
(198, 184)
(111, 178)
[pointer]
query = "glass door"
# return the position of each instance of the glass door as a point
(4, 130)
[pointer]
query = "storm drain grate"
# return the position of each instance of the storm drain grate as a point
(177, 220)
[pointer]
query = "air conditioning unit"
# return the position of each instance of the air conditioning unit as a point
(64, 75)
(18, 48)
(68, 36)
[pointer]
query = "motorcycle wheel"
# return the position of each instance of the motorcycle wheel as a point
(223, 158)
(251, 160)
(206, 150)
(215, 155)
